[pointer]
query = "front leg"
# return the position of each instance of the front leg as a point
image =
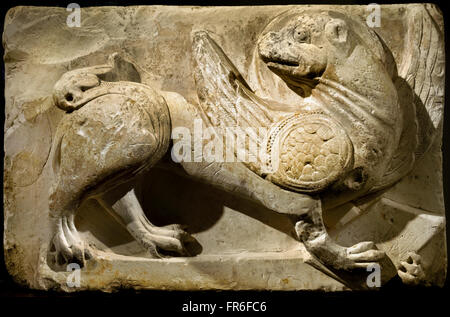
(319, 243)
(351, 265)
(237, 179)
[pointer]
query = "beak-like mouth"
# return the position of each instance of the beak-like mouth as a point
(292, 69)
(301, 80)
(278, 63)
(282, 67)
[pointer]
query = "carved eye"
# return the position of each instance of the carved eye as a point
(69, 97)
(301, 35)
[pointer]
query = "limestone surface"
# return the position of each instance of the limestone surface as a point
(186, 148)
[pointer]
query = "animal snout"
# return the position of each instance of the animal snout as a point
(273, 48)
(73, 95)
(267, 47)
(67, 98)
(71, 88)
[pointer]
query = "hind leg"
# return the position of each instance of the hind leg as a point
(154, 239)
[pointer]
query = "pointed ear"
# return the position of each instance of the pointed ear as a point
(115, 69)
(104, 68)
(336, 31)
(99, 69)
(121, 70)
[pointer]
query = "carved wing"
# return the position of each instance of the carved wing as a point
(421, 91)
(423, 66)
(224, 95)
(286, 148)
(226, 100)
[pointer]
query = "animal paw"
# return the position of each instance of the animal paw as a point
(411, 271)
(66, 246)
(363, 255)
(161, 241)
(359, 256)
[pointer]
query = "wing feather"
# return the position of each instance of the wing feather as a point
(423, 64)
(421, 91)
(225, 98)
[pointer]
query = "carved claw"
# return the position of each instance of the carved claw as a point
(319, 243)
(156, 240)
(67, 247)
(364, 254)
(411, 271)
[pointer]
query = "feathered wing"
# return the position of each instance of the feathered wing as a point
(421, 84)
(423, 65)
(226, 100)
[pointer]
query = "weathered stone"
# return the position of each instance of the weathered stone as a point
(282, 147)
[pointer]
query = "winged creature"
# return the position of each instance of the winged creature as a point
(359, 127)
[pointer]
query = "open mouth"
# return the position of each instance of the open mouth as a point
(292, 69)
(300, 82)
(290, 73)
(283, 67)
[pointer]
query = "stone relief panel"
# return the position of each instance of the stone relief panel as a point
(280, 148)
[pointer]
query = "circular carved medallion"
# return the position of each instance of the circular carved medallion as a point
(307, 152)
